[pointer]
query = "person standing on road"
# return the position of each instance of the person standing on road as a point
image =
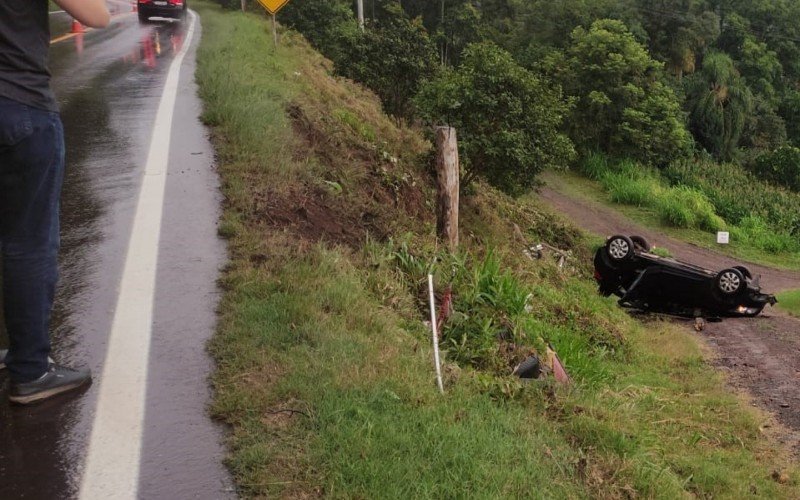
(31, 175)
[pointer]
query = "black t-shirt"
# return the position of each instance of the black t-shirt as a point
(24, 43)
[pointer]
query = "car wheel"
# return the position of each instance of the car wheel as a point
(729, 282)
(745, 272)
(640, 242)
(143, 18)
(619, 248)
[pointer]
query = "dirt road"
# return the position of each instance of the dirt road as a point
(760, 355)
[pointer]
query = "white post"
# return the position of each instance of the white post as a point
(435, 336)
(360, 13)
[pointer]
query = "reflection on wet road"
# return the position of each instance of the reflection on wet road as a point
(109, 83)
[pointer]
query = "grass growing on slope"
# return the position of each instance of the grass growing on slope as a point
(790, 301)
(324, 360)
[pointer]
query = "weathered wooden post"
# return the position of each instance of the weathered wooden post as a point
(447, 173)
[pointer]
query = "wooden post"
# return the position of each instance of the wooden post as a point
(274, 31)
(244, 5)
(447, 173)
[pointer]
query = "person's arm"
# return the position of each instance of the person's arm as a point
(92, 13)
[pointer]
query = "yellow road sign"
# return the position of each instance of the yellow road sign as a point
(273, 6)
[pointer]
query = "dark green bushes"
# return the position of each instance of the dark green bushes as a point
(508, 119)
(780, 167)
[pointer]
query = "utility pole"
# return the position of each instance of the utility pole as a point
(360, 14)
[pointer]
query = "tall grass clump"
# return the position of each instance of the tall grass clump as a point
(682, 206)
(738, 195)
(595, 166)
(626, 190)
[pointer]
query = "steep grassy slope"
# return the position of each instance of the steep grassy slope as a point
(324, 362)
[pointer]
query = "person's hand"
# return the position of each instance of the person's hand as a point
(92, 13)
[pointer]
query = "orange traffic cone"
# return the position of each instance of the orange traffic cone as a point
(77, 27)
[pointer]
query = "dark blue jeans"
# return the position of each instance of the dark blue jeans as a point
(31, 175)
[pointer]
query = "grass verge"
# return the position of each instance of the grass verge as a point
(324, 370)
(790, 302)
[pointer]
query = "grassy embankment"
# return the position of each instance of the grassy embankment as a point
(790, 302)
(692, 201)
(324, 366)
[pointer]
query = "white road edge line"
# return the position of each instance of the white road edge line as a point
(114, 456)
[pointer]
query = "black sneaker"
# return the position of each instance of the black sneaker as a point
(56, 380)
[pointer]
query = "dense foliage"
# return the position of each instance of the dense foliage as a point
(651, 80)
(622, 106)
(507, 119)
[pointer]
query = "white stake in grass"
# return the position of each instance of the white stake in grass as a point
(435, 336)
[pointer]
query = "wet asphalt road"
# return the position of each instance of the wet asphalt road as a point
(109, 84)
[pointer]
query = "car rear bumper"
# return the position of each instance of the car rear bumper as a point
(151, 9)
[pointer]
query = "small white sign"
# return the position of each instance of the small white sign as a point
(723, 237)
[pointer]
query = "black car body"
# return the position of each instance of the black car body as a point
(172, 9)
(625, 267)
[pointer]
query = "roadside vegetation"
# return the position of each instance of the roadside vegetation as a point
(706, 197)
(790, 301)
(324, 359)
(696, 102)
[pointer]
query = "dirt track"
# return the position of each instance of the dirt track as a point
(761, 355)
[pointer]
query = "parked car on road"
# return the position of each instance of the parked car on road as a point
(625, 267)
(171, 9)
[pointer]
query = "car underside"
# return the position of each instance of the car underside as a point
(625, 267)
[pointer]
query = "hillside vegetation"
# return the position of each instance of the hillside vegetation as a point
(324, 359)
(705, 92)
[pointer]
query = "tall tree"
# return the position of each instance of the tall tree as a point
(679, 31)
(393, 57)
(622, 106)
(508, 120)
(719, 103)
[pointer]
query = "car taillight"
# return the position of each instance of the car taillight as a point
(175, 2)
(145, 1)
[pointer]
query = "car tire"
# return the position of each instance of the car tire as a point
(745, 272)
(729, 282)
(144, 18)
(528, 369)
(619, 248)
(640, 242)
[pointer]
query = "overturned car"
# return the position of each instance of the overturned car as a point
(625, 267)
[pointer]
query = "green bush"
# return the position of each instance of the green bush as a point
(781, 167)
(393, 58)
(758, 233)
(682, 206)
(508, 119)
(738, 194)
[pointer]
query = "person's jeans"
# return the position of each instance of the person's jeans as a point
(31, 176)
